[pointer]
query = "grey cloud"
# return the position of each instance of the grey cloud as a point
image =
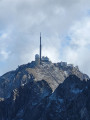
(23, 20)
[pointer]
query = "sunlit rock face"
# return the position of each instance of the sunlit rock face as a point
(51, 91)
(52, 73)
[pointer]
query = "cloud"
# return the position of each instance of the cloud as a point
(60, 22)
(79, 47)
(4, 55)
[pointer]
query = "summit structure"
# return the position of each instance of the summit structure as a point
(39, 59)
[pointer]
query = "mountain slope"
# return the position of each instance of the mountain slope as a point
(53, 74)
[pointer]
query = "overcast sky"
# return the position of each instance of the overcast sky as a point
(65, 27)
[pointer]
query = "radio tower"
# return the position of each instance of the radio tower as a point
(40, 49)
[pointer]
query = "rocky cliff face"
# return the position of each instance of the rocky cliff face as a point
(44, 92)
(70, 101)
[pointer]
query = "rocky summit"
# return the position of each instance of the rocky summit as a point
(50, 91)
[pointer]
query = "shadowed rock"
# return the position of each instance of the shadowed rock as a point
(35, 101)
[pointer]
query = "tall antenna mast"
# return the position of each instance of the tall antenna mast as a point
(40, 49)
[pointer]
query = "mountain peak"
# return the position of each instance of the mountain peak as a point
(52, 73)
(38, 91)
